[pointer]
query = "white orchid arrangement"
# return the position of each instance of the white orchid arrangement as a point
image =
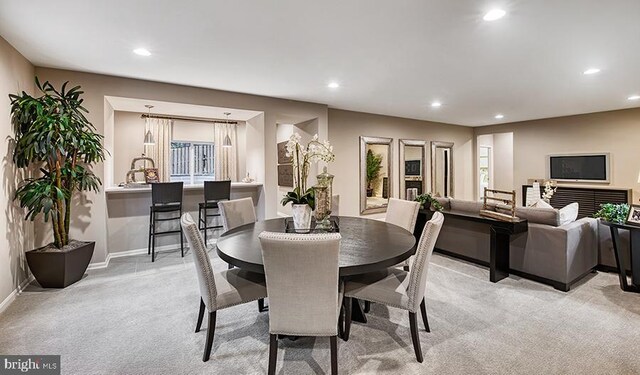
(302, 157)
(549, 190)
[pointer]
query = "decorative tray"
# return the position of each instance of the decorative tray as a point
(335, 227)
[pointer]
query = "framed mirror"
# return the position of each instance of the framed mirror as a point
(413, 168)
(375, 174)
(442, 169)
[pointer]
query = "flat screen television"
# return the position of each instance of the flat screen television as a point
(412, 168)
(579, 167)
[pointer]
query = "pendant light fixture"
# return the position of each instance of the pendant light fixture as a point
(148, 136)
(227, 139)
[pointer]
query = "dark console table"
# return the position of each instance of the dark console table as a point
(500, 231)
(634, 236)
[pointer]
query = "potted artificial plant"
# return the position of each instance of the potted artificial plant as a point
(303, 199)
(56, 144)
(374, 165)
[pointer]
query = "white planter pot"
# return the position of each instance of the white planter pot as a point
(301, 217)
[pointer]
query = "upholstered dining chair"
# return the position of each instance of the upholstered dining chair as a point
(218, 290)
(302, 280)
(404, 214)
(398, 288)
(237, 212)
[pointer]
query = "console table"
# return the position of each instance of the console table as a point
(634, 234)
(500, 231)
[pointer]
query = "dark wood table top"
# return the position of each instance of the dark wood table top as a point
(518, 226)
(620, 226)
(367, 245)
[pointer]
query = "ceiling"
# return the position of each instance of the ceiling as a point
(390, 57)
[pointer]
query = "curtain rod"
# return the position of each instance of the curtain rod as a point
(188, 119)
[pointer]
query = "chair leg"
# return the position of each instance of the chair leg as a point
(367, 306)
(423, 310)
(211, 329)
(334, 355)
(153, 238)
(341, 322)
(406, 268)
(182, 238)
(347, 318)
(273, 353)
(413, 324)
(200, 316)
(205, 224)
(150, 224)
(230, 266)
(261, 306)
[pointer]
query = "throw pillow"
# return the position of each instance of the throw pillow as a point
(569, 213)
(541, 204)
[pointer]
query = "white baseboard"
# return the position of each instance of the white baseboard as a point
(120, 254)
(11, 297)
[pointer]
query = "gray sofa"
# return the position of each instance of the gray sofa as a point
(558, 255)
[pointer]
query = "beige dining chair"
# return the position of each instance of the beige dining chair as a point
(303, 284)
(237, 212)
(404, 214)
(398, 288)
(218, 290)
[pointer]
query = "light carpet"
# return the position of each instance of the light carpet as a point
(138, 317)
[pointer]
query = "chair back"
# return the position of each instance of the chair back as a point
(402, 213)
(166, 192)
(217, 190)
(301, 271)
(204, 270)
(418, 270)
(237, 212)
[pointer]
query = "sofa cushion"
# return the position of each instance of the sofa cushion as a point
(569, 213)
(541, 204)
(444, 202)
(548, 216)
(460, 205)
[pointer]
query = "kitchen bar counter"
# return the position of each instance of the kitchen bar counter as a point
(147, 188)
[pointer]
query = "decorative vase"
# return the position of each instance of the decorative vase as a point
(301, 217)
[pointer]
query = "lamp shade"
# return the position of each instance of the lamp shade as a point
(148, 139)
(227, 141)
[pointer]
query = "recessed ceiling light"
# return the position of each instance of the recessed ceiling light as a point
(142, 52)
(436, 104)
(494, 14)
(333, 85)
(591, 71)
(634, 97)
(499, 116)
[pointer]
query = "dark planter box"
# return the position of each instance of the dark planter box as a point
(59, 269)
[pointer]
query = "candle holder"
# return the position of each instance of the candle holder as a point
(323, 195)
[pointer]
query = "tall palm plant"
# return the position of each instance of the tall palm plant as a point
(53, 136)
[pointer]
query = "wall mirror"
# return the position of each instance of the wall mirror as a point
(442, 169)
(375, 174)
(413, 168)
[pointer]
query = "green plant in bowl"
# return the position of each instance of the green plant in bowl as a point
(613, 213)
(427, 200)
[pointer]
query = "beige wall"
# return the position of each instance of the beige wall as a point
(615, 132)
(345, 128)
(16, 75)
(90, 222)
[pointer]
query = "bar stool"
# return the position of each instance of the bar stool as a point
(214, 191)
(166, 198)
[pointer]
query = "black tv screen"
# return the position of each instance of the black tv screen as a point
(412, 168)
(579, 167)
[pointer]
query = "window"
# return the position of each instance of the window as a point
(191, 162)
(484, 163)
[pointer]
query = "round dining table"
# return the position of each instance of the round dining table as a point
(367, 245)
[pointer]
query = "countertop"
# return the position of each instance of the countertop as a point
(147, 188)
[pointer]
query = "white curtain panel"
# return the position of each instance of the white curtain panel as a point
(161, 130)
(225, 157)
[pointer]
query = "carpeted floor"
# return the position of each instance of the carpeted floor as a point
(136, 317)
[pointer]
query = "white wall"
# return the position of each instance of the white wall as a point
(16, 75)
(345, 128)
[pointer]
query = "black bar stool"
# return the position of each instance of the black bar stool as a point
(166, 198)
(214, 191)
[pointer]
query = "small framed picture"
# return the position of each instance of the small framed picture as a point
(151, 175)
(634, 215)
